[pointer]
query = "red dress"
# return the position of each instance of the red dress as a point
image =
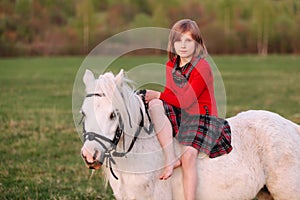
(188, 99)
(199, 91)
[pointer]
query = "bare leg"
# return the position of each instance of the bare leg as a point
(190, 175)
(163, 129)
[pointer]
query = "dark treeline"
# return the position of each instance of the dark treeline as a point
(68, 27)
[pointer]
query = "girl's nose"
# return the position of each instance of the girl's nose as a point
(183, 44)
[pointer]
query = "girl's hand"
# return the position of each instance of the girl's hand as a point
(151, 94)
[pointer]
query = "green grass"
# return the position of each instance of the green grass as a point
(39, 146)
(269, 83)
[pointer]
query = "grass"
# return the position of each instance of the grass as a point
(268, 83)
(39, 145)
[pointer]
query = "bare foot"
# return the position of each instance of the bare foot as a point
(168, 171)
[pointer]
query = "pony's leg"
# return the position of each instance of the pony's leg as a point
(163, 129)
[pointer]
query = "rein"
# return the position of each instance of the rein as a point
(110, 152)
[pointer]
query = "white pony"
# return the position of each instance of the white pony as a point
(265, 160)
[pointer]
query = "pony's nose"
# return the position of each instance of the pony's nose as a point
(87, 155)
(91, 158)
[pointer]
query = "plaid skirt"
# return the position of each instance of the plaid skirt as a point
(208, 134)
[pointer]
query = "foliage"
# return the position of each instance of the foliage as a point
(37, 27)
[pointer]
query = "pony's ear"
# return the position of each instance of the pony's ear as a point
(119, 78)
(88, 78)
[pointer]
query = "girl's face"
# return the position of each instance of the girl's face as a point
(185, 46)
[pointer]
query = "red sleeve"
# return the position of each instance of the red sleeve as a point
(189, 94)
(167, 95)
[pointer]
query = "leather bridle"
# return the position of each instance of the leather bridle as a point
(110, 152)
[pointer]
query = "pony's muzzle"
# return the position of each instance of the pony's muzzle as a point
(91, 162)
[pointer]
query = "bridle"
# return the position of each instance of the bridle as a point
(110, 152)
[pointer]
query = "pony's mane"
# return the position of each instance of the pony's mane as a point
(122, 96)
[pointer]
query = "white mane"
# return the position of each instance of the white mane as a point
(121, 92)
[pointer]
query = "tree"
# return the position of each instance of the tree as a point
(262, 21)
(85, 21)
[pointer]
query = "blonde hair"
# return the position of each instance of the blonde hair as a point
(183, 26)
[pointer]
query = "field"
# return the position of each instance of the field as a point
(40, 147)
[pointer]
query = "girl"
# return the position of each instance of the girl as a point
(188, 95)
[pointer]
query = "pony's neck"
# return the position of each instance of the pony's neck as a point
(131, 116)
(146, 154)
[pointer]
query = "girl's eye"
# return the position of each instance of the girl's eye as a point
(112, 116)
(185, 40)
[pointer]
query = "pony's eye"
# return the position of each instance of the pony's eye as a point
(112, 116)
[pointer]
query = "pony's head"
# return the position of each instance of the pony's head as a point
(103, 115)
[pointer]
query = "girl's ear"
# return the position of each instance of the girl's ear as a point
(119, 78)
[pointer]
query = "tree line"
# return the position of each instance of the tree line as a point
(71, 27)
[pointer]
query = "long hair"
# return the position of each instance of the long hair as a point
(181, 27)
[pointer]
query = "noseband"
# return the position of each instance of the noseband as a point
(110, 152)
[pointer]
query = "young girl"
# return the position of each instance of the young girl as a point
(188, 95)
